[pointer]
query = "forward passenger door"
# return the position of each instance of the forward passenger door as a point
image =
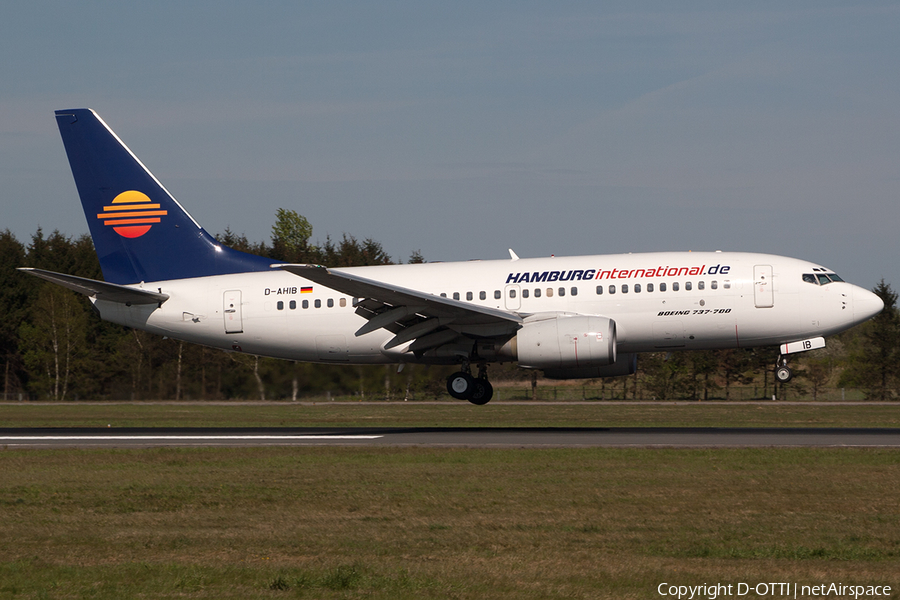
(763, 292)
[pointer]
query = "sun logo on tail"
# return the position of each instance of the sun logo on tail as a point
(131, 214)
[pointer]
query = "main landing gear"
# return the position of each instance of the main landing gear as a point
(477, 390)
(783, 372)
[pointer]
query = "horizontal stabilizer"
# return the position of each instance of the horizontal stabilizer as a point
(100, 290)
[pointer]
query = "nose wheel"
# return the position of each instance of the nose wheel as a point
(783, 372)
(477, 390)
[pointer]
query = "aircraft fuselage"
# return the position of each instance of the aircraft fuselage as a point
(659, 301)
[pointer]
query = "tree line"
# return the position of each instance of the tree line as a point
(54, 347)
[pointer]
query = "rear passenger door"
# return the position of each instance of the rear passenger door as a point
(232, 311)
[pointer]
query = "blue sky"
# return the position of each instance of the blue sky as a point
(461, 129)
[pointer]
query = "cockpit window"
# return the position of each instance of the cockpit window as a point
(820, 278)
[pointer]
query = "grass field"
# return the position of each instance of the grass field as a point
(446, 523)
(447, 414)
(377, 523)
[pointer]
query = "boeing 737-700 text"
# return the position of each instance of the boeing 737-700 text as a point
(570, 317)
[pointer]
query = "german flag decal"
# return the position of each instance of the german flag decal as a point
(131, 214)
(306, 290)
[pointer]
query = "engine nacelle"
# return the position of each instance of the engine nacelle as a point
(566, 342)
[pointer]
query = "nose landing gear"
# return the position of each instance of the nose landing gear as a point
(783, 372)
(477, 390)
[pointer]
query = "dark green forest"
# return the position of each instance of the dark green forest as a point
(54, 347)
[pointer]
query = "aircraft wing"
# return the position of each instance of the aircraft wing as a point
(428, 319)
(99, 289)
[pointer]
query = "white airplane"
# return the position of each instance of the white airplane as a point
(571, 317)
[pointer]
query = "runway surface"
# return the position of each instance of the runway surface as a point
(622, 437)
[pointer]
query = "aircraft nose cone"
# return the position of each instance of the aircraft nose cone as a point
(865, 304)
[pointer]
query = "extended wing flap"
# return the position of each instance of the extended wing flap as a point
(100, 289)
(388, 317)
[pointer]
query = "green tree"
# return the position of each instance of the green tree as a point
(665, 375)
(817, 372)
(875, 360)
(63, 254)
(350, 252)
(53, 343)
(15, 293)
(703, 367)
(290, 236)
(736, 367)
(762, 360)
(240, 242)
(820, 366)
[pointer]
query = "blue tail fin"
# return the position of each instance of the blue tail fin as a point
(140, 232)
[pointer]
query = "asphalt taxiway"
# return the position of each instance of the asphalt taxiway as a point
(561, 437)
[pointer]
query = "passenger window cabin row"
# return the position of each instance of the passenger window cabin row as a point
(561, 291)
(676, 286)
(471, 296)
(342, 302)
(611, 289)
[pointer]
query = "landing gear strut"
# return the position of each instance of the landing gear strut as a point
(783, 372)
(477, 390)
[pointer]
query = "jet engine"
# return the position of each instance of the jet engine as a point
(566, 342)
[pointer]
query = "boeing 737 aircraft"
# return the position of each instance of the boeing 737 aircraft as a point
(570, 317)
